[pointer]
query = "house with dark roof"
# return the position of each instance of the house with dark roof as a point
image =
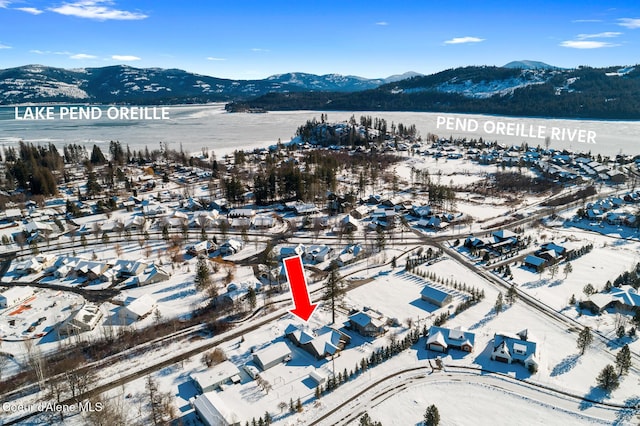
(367, 324)
(442, 339)
(435, 296)
(534, 262)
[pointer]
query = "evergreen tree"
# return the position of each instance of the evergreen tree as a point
(608, 379)
(202, 279)
(511, 294)
(588, 289)
(498, 305)
(97, 158)
(365, 420)
(432, 416)
(251, 297)
(333, 290)
(567, 269)
(623, 360)
(585, 338)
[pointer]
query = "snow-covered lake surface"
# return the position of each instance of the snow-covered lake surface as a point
(195, 127)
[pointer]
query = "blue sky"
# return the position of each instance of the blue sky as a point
(244, 39)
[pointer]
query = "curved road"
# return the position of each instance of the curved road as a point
(357, 403)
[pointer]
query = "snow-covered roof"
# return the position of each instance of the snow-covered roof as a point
(142, 305)
(212, 409)
(215, 375)
(272, 353)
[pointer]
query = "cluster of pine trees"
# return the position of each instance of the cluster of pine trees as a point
(33, 168)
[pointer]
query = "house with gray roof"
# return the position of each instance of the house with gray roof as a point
(367, 324)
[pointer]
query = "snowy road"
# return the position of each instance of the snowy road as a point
(404, 384)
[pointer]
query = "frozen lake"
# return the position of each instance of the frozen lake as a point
(195, 127)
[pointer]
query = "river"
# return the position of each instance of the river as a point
(209, 126)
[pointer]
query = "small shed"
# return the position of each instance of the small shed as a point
(318, 377)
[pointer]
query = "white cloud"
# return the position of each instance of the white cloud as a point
(382, 23)
(31, 10)
(4, 46)
(586, 20)
(461, 40)
(48, 52)
(632, 23)
(82, 56)
(100, 10)
(608, 34)
(586, 44)
(125, 58)
(212, 58)
(257, 49)
(4, 4)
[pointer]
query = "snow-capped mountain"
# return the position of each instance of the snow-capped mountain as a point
(529, 65)
(524, 88)
(121, 83)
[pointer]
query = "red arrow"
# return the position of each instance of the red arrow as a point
(299, 291)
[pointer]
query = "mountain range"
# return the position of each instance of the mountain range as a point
(518, 88)
(125, 84)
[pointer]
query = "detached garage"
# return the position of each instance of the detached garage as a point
(272, 355)
(435, 296)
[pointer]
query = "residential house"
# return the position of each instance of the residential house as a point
(152, 275)
(317, 253)
(136, 223)
(384, 218)
(35, 226)
(622, 299)
(326, 342)
(204, 219)
(360, 212)
(348, 224)
(367, 324)
(290, 251)
(231, 246)
(534, 262)
(420, 212)
(515, 348)
(138, 309)
(264, 222)
(616, 176)
(82, 320)
(349, 254)
(201, 248)
(441, 339)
